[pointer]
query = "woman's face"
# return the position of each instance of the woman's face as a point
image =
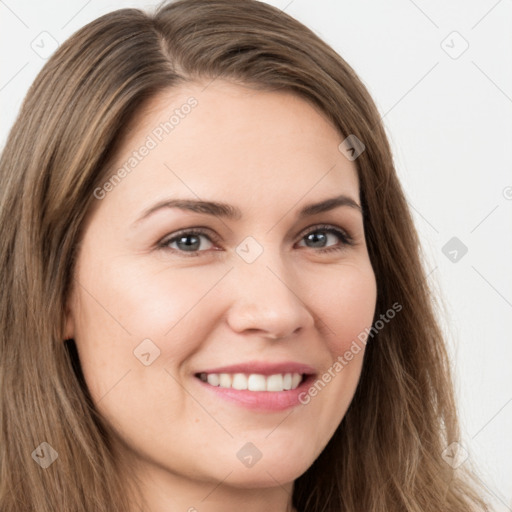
(265, 292)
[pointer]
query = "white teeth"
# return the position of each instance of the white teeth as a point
(225, 380)
(296, 378)
(275, 382)
(213, 379)
(287, 381)
(239, 381)
(254, 381)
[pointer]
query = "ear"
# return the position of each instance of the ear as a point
(69, 323)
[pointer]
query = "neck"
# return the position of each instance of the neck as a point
(163, 491)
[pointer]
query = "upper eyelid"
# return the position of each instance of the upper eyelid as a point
(321, 226)
(200, 230)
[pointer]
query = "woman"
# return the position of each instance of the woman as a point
(213, 294)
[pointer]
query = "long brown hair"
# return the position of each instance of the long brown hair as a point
(386, 454)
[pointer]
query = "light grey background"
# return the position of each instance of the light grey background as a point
(448, 112)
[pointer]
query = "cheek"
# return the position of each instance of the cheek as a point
(346, 303)
(126, 314)
(121, 304)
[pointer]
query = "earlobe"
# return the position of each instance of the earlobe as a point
(69, 325)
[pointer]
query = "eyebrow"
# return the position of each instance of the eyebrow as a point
(231, 212)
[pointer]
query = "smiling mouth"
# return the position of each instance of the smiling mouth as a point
(253, 381)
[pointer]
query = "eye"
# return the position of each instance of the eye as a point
(321, 236)
(188, 241)
(195, 241)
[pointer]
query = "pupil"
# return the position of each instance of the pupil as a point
(315, 238)
(187, 245)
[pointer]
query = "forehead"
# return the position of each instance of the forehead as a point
(223, 140)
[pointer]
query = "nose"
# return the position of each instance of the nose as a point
(267, 300)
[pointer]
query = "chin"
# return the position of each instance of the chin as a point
(274, 472)
(260, 479)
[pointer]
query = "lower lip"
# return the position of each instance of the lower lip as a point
(261, 400)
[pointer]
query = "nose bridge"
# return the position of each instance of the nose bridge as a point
(267, 294)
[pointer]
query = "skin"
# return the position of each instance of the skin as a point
(269, 154)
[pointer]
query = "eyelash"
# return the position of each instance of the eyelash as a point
(346, 239)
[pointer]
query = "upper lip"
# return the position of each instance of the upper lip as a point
(263, 368)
